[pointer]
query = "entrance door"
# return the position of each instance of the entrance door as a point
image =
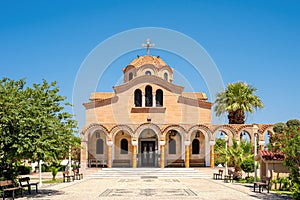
(148, 153)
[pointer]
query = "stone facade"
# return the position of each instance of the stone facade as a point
(150, 122)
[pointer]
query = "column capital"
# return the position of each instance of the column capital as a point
(212, 143)
(261, 142)
(162, 142)
(109, 143)
(187, 143)
(134, 142)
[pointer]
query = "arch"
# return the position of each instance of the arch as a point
(121, 127)
(204, 129)
(245, 135)
(230, 132)
(138, 98)
(177, 128)
(195, 146)
(148, 96)
(124, 146)
(99, 146)
(151, 126)
(88, 131)
(130, 76)
(159, 98)
(166, 76)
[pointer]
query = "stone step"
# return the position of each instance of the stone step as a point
(148, 172)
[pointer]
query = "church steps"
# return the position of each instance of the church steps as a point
(148, 172)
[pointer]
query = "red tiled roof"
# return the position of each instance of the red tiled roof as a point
(268, 155)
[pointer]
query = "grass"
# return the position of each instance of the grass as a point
(50, 181)
(283, 192)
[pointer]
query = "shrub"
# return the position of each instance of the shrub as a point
(293, 122)
(23, 170)
(279, 127)
(248, 165)
(54, 171)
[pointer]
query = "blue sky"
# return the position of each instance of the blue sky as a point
(254, 41)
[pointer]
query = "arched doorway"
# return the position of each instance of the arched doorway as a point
(148, 149)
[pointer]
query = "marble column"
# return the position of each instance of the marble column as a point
(153, 100)
(212, 154)
(162, 154)
(143, 100)
(187, 154)
(134, 161)
(109, 154)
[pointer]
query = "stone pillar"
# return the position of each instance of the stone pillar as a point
(84, 155)
(134, 163)
(143, 100)
(109, 153)
(187, 154)
(261, 145)
(212, 153)
(153, 100)
(162, 154)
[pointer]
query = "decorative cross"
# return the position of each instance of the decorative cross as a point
(148, 45)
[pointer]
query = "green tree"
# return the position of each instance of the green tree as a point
(33, 124)
(237, 99)
(287, 141)
(236, 154)
(248, 165)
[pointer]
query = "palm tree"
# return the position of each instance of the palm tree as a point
(236, 154)
(237, 99)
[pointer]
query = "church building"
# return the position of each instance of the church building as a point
(148, 121)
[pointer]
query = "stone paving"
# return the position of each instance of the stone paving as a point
(149, 188)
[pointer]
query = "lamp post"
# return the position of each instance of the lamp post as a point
(255, 129)
(226, 140)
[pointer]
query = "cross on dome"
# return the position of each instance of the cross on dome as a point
(148, 45)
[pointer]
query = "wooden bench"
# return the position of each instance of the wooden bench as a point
(67, 177)
(97, 162)
(77, 175)
(228, 178)
(9, 185)
(24, 182)
(219, 175)
(121, 163)
(197, 162)
(264, 183)
(175, 163)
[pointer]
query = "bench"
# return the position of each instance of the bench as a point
(175, 163)
(67, 177)
(121, 163)
(9, 185)
(228, 178)
(197, 162)
(97, 162)
(77, 175)
(24, 182)
(219, 175)
(264, 183)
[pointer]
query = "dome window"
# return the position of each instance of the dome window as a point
(148, 73)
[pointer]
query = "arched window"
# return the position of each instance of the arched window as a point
(172, 146)
(195, 146)
(124, 146)
(138, 98)
(148, 96)
(148, 73)
(159, 98)
(97, 135)
(130, 76)
(166, 76)
(99, 146)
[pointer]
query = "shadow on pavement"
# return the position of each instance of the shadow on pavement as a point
(44, 193)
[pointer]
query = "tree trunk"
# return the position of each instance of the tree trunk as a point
(236, 117)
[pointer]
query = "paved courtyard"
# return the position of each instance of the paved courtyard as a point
(149, 187)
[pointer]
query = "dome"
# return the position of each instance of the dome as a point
(143, 60)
